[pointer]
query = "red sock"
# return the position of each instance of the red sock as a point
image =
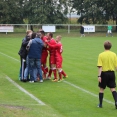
(55, 75)
(50, 72)
(44, 71)
(60, 75)
(63, 73)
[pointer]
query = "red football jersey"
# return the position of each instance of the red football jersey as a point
(58, 49)
(44, 51)
(52, 50)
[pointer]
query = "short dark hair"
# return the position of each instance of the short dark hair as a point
(38, 34)
(42, 32)
(50, 34)
(33, 35)
(107, 45)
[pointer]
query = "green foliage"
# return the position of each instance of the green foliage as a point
(10, 12)
(45, 11)
(55, 11)
(35, 11)
(96, 11)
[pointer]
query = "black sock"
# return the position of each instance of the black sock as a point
(114, 93)
(101, 98)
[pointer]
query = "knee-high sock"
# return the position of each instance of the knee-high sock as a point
(55, 74)
(63, 73)
(114, 93)
(44, 71)
(46, 68)
(60, 75)
(101, 95)
(50, 72)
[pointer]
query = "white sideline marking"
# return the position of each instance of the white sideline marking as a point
(23, 90)
(94, 95)
(77, 87)
(9, 57)
(26, 92)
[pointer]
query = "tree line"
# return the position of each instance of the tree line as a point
(55, 11)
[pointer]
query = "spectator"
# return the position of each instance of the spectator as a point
(35, 47)
(23, 54)
(82, 31)
(26, 71)
(109, 31)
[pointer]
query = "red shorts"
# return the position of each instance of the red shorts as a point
(52, 60)
(59, 63)
(44, 58)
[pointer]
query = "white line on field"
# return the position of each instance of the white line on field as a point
(88, 92)
(26, 92)
(77, 87)
(23, 90)
(9, 57)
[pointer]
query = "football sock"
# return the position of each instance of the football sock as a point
(63, 73)
(60, 75)
(114, 93)
(50, 72)
(55, 75)
(101, 98)
(46, 68)
(44, 71)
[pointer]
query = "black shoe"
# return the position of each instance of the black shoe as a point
(28, 79)
(116, 105)
(24, 80)
(99, 106)
(35, 81)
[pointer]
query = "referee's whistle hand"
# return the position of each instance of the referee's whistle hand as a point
(99, 79)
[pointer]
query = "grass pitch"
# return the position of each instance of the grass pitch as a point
(76, 96)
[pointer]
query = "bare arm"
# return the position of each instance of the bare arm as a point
(99, 73)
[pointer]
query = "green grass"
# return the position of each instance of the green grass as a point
(61, 99)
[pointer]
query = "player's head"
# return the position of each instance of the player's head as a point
(28, 32)
(49, 35)
(42, 32)
(58, 38)
(107, 45)
(38, 34)
(33, 35)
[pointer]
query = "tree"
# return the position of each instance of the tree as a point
(90, 11)
(96, 11)
(10, 12)
(34, 11)
(45, 11)
(110, 8)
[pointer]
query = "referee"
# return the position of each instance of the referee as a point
(107, 63)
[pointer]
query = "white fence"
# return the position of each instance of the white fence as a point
(68, 28)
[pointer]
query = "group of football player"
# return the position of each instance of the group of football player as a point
(52, 51)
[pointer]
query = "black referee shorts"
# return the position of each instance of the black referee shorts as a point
(107, 79)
